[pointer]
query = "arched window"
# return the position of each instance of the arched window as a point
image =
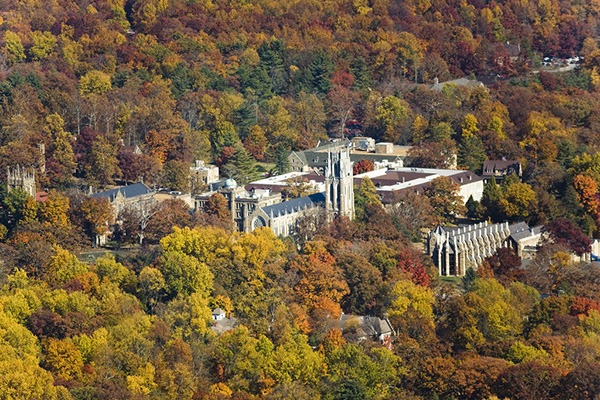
(258, 222)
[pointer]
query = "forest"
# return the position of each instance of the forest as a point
(95, 93)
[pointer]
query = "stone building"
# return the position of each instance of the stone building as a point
(339, 184)
(455, 249)
(205, 174)
(391, 182)
(263, 207)
(136, 196)
(316, 159)
(499, 169)
(242, 204)
(283, 217)
(21, 178)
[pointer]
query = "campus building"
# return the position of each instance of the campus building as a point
(136, 196)
(455, 249)
(260, 204)
(391, 182)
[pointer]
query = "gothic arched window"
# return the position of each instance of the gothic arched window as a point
(258, 222)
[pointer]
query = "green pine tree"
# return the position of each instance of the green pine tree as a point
(241, 167)
(491, 198)
(471, 154)
(282, 162)
(321, 69)
(474, 209)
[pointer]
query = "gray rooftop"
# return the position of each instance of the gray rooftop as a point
(368, 327)
(224, 325)
(295, 205)
(521, 230)
(129, 191)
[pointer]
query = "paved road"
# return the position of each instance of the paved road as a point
(569, 67)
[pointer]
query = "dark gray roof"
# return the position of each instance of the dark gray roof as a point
(317, 156)
(136, 189)
(503, 166)
(295, 205)
(521, 230)
(368, 326)
(301, 155)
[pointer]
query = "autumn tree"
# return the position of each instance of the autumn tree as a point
(443, 194)
(364, 283)
(364, 194)
(61, 162)
(506, 264)
(433, 154)
(563, 231)
(218, 206)
(97, 214)
(103, 165)
(341, 101)
(475, 377)
(320, 284)
(412, 213)
(587, 190)
(528, 380)
(363, 166)
(390, 116)
(256, 143)
(176, 176)
(162, 217)
(185, 274)
(518, 200)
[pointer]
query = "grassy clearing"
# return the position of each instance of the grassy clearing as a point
(456, 281)
(91, 256)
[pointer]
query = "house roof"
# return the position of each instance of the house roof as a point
(521, 230)
(218, 311)
(389, 182)
(295, 205)
(499, 165)
(129, 191)
(368, 326)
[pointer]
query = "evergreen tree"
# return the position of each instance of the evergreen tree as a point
(474, 209)
(272, 55)
(255, 79)
(282, 162)
(471, 154)
(491, 198)
(241, 167)
(566, 152)
(321, 69)
(181, 80)
(469, 279)
(361, 73)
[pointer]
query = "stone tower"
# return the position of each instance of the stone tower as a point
(21, 178)
(339, 195)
